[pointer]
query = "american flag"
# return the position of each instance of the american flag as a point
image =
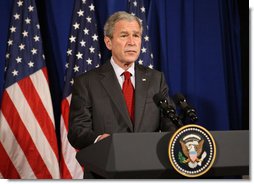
(28, 144)
(83, 54)
(137, 8)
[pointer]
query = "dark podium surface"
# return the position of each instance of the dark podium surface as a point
(145, 155)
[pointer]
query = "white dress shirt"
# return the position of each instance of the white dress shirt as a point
(119, 71)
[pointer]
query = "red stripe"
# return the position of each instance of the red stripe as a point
(23, 138)
(39, 112)
(45, 72)
(65, 108)
(65, 173)
(7, 168)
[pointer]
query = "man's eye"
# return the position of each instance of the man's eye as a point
(123, 36)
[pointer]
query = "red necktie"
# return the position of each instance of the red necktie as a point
(128, 92)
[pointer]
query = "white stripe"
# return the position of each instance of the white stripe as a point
(34, 129)
(14, 151)
(69, 154)
(41, 85)
(69, 99)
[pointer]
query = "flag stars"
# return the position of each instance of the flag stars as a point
(84, 1)
(76, 25)
(72, 39)
(20, 3)
(150, 66)
(135, 3)
(80, 13)
(91, 49)
(91, 7)
(143, 50)
(7, 56)
(13, 29)
(38, 26)
(28, 21)
(146, 38)
(86, 31)
(140, 61)
(34, 51)
(72, 81)
(95, 37)
(30, 8)
(89, 61)
(143, 9)
(16, 16)
(21, 46)
(82, 43)
(30, 64)
(89, 19)
(69, 52)
(36, 38)
(67, 65)
(25, 33)
(76, 68)
(18, 59)
(10, 42)
(15, 73)
(79, 55)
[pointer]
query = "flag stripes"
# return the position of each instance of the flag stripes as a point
(70, 167)
(14, 151)
(7, 167)
(26, 107)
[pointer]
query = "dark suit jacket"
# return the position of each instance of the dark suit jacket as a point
(98, 105)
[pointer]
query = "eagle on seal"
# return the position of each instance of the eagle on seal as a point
(192, 150)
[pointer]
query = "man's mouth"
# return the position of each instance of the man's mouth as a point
(131, 51)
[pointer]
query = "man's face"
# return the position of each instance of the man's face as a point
(126, 42)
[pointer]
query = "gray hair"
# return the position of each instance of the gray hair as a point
(113, 19)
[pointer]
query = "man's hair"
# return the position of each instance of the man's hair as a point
(113, 19)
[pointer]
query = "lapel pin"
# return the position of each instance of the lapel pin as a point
(144, 79)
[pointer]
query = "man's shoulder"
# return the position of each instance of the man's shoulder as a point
(148, 69)
(95, 71)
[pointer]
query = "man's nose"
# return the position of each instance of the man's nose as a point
(131, 40)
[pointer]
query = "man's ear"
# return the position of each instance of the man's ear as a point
(107, 41)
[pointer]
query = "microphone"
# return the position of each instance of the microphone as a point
(189, 110)
(167, 110)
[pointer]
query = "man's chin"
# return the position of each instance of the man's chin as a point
(131, 60)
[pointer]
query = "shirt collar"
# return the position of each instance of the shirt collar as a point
(119, 70)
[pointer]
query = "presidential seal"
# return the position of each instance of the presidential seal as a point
(192, 150)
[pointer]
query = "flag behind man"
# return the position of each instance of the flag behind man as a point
(28, 144)
(83, 54)
(137, 8)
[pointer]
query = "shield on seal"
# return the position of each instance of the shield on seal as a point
(193, 155)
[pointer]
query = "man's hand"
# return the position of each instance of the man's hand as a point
(103, 136)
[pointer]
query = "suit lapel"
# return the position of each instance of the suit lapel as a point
(141, 87)
(111, 85)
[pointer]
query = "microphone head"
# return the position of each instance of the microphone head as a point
(179, 98)
(158, 98)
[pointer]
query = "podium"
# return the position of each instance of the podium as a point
(145, 155)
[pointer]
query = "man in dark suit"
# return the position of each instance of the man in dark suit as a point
(98, 106)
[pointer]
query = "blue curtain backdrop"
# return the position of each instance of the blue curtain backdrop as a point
(196, 43)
